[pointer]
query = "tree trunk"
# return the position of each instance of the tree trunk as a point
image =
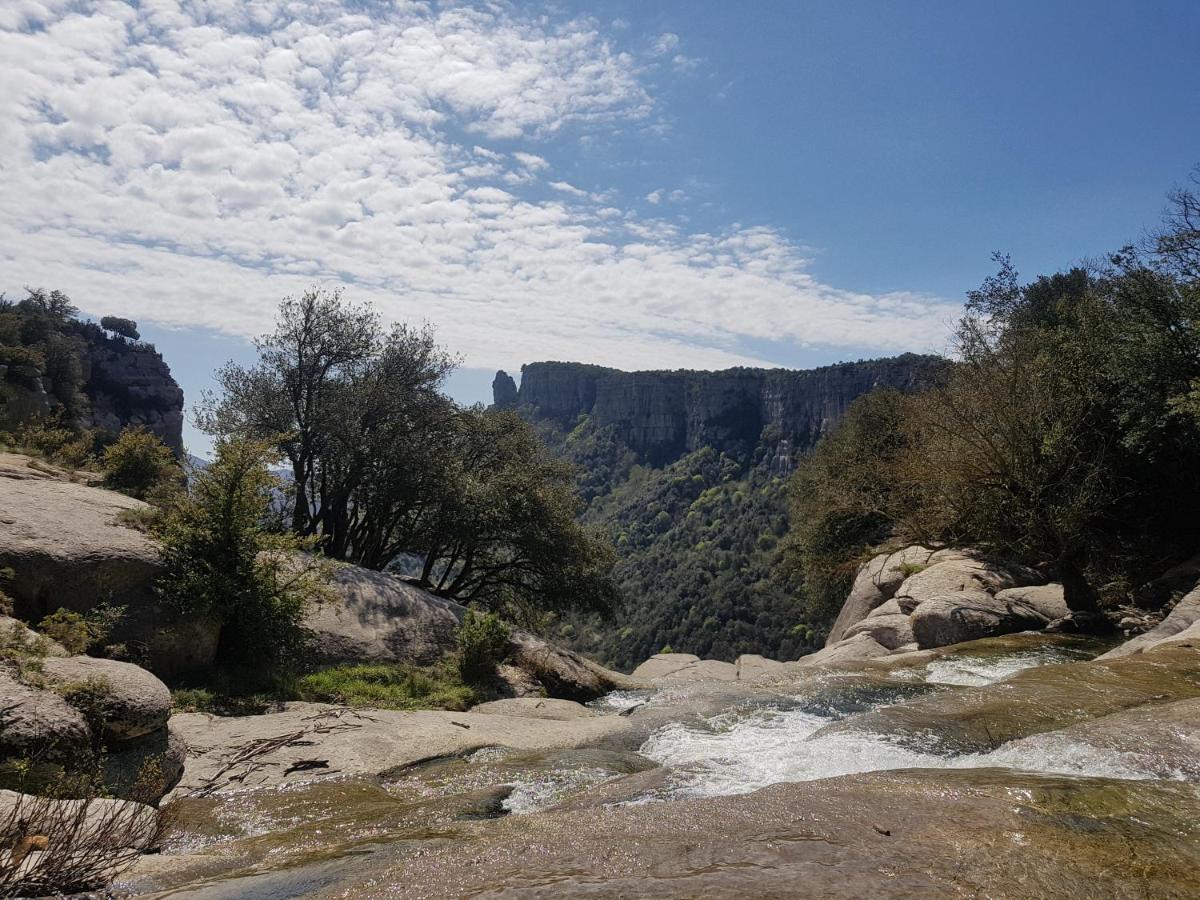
(1081, 598)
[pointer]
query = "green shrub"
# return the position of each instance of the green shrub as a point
(138, 463)
(387, 687)
(221, 561)
(45, 437)
(80, 632)
(484, 640)
(22, 356)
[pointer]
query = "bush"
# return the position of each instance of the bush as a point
(22, 356)
(483, 643)
(138, 463)
(221, 561)
(387, 687)
(80, 632)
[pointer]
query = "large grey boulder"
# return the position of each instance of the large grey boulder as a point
(966, 615)
(751, 666)
(964, 573)
(684, 667)
(376, 617)
(876, 582)
(1044, 600)
(892, 631)
(1183, 619)
(39, 725)
(563, 673)
(68, 548)
(851, 650)
(128, 700)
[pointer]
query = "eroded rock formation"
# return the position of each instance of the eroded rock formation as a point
(663, 415)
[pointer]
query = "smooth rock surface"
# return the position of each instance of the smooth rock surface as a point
(68, 550)
(133, 703)
(892, 631)
(376, 617)
(949, 575)
(848, 651)
(876, 583)
(684, 667)
(534, 708)
(40, 725)
(368, 742)
(969, 615)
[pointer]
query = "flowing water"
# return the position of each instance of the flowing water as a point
(319, 839)
(736, 753)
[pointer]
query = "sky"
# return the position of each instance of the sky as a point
(638, 184)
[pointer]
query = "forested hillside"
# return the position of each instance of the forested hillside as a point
(688, 471)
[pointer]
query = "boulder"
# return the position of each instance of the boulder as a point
(67, 548)
(564, 673)
(132, 702)
(534, 708)
(379, 618)
(684, 667)
(1182, 619)
(138, 823)
(949, 574)
(40, 725)
(15, 632)
(876, 583)
(751, 666)
(147, 769)
(966, 615)
(892, 631)
(897, 606)
(850, 650)
(1044, 600)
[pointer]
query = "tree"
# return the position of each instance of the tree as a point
(221, 560)
(345, 396)
(504, 529)
(386, 467)
(126, 328)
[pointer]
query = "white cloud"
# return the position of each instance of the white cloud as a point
(189, 165)
(666, 42)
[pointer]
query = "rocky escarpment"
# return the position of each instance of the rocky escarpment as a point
(98, 380)
(128, 383)
(663, 415)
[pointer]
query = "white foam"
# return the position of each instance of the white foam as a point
(735, 755)
(974, 671)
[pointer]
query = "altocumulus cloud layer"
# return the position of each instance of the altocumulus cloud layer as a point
(188, 164)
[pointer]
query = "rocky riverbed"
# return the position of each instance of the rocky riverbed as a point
(1013, 766)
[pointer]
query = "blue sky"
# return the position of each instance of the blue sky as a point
(635, 184)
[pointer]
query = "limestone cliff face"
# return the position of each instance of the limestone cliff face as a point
(118, 383)
(128, 383)
(663, 415)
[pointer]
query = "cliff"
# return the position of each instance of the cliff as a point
(129, 383)
(663, 415)
(96, 379)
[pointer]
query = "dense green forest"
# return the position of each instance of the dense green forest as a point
(697, 545)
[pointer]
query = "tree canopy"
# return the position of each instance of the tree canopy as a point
(389, 472)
